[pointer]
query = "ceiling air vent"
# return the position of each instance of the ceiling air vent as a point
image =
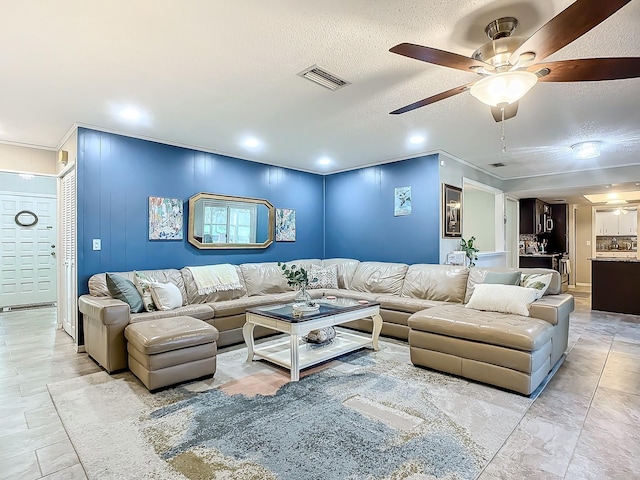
(496, 165)
(324, 78)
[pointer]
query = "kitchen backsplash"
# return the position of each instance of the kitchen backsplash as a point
(616, 244)
(528, 243)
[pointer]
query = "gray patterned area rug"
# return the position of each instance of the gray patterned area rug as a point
(369, 415)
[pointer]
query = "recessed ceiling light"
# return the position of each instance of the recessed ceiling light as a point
(252, 142)
(130, 113)
(324, 161)
(416, 139)
(585, 150)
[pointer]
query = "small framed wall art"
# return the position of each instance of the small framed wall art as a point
(285, 225)
(165, 218)
(402, 201)
(451, 211)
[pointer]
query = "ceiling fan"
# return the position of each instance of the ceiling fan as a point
(509, 65)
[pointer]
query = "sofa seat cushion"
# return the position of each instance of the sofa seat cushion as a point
(502, 329)
(202, 312)
(235, 307)
(408, 305)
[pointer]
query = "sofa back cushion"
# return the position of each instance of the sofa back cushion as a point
(379, 277)
(477, 274)
(263, 278)
(346, 269)
(192, 289)
(98, 282)
(446, 283)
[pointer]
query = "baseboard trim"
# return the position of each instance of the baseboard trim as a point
(578, 284)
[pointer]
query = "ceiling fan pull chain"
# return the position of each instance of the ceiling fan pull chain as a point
(503, 137)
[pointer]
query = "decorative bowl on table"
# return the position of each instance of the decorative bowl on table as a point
(320, 336)
(305, 307)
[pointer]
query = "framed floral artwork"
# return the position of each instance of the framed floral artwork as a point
(165, 218)
(285, 225)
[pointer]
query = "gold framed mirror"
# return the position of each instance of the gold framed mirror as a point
(224, 221)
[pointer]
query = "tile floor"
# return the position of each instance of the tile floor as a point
(584, 425)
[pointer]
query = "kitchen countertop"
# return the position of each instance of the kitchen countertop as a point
(541, 254)
(614, 259)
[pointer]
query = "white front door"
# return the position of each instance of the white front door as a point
(27, 251)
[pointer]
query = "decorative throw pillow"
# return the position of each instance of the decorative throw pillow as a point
(143, 284)
(502, 298)
(503, 278)
(166, 296)
(123, 289)
(320, 277)
(539, 281)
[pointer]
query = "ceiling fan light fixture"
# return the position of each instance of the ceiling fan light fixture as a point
(503, 88)
(586, 150)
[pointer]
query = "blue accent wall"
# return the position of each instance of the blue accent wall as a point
(359, 213)
(116, 175)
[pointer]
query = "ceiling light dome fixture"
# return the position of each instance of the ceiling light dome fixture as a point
(585, 150)
(503, 88)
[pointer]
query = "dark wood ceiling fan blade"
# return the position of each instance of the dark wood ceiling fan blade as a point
(439, 57)
(433, 99)
(576, 20)
(588, 69)
(509, 112)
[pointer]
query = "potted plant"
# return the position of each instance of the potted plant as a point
(470, 251)
(298, 278)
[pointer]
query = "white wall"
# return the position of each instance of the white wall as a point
(14, 158)
(584, 235)
(452, 172)
(476, 205)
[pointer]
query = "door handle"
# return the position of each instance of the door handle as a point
(53, 254)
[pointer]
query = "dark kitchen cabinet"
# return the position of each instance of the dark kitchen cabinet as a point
(532, 216)
(558, 237)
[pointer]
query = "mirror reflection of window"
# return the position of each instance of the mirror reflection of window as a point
(229, 223)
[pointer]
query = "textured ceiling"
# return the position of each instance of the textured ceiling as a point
(208, 73)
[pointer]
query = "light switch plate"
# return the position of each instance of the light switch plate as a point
(588, 243)
(97, 244)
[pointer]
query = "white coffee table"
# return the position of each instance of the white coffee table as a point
(293, 352)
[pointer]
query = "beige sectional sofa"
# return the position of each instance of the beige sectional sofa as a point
(444, 340)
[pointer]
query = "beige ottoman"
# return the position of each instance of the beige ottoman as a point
(171, 350)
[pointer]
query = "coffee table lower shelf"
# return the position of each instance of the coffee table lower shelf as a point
(278, 351)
